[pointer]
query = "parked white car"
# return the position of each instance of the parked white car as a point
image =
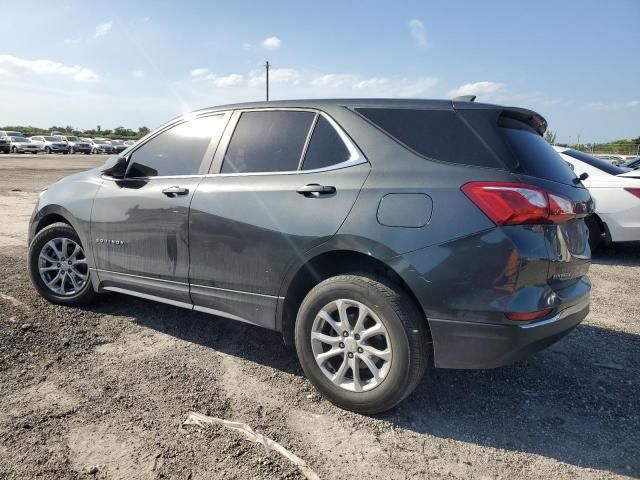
(23, 145)
(616, 191)
(99, 145)
(50, 144)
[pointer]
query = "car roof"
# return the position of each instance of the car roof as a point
(439, 104)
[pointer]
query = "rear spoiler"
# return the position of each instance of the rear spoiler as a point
(522, 115)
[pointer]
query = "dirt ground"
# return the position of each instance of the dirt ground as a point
(103, 392)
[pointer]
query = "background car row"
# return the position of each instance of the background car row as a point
(17, 142)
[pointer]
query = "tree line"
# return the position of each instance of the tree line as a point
(621, 147)
(118, 132)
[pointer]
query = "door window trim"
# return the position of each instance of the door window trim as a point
(206, 158)
(356, 157)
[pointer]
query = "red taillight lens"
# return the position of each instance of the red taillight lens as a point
(529, 316)
(634, 191)
(518, 203)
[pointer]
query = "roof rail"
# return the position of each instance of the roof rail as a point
(465, 98)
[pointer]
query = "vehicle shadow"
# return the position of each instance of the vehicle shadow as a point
(575, 402)
(624, 254)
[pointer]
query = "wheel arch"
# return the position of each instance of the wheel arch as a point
(321, 266)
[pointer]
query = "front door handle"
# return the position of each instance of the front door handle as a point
(175, 190)
(315, 190)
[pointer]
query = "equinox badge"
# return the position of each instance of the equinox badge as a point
(110, 242)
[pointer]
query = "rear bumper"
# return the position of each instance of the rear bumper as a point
(460, 344)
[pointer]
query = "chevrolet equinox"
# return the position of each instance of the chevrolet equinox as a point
(373, 234)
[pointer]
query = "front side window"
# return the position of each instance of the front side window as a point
(178, 150)
(325, 148)
(267, 141)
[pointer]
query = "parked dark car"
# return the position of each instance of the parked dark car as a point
(5, 144)
(118, 146)
(634, 163)
(371, 233)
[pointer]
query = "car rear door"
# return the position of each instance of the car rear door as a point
(282, 182)
(140, 223)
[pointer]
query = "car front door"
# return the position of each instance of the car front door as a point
(140, 223)
(284, 182)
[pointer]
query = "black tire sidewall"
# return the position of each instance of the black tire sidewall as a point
(57, 230)
(392, 389)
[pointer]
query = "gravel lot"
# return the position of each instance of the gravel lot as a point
(103, 392)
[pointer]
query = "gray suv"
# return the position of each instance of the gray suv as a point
(373, 234)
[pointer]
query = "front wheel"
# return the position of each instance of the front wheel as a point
(47, 150)
(58, 266)
(362, 342)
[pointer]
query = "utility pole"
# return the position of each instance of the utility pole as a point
(266, 66)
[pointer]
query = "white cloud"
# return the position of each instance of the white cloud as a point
(483, 89)
(199, 72)
(20, 66)
(271, 43)
(276, 75)
(341, 84)
(102, 29)
(334, 80)
(230, 80)
(146, 19)
(614, 105)
(371, 83)
(418, 32)
(137, 73)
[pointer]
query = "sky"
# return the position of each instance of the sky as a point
(125, 63)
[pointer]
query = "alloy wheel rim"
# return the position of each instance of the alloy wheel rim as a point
(351, 345)
(63, 266)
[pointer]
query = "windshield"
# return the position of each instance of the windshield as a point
(19, 140)
(596, 162)
(51, 139)
(14, 134)
(101, 142)
(73, 139)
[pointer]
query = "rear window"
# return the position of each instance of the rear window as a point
(435, 134)
(596, 162)
(536, 157)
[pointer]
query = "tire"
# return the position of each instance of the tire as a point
(85, 293)
(595, 232)
(87, 153)
(47, 150)
(405, 337)
(72, 151)
(13, 150)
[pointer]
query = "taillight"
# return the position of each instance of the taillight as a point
(518, 203)
(528, 316)
(634, 191)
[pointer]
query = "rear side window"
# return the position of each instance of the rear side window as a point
(536, 157)
(435, 134)
(267, 141)
(325, 148)
(176, 151)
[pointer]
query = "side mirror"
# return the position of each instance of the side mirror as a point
(115, 167)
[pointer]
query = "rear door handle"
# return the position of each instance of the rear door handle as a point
(315, 190)
(175, 190)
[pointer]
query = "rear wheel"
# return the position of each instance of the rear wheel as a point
(361, 342)
(58, 266)
(595, 232)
